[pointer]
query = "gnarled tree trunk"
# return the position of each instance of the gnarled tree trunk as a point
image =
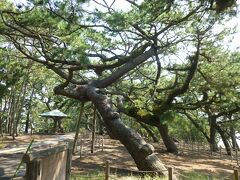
(224, 139)
(167, 140)
(153, 120)
(142, 152)
(150, 132)
(233, 138)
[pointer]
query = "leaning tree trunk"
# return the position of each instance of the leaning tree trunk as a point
(101, 124)
(224, 139)
(198, 126)
(150, 132)
(167, 140)
(142, 153)
(233, 138)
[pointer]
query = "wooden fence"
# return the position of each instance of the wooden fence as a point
(98, 144)
(194, 147)
(199, 148)
(110, 173)
(172, 175)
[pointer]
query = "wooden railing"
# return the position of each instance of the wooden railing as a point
(51, 163)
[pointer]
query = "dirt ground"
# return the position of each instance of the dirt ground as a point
(197, 160)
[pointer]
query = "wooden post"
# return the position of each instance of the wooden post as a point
(69, 161)
(170, 173)
(220, 152)
(78, 127)
(55, 126)
(236, 155)
(99, 141)
(183, 146)
(81, 143)
(107, 170)
(231, 154)
(33, 170)
(102, 143)
(93, 129)
(211, 149)
(236, 174)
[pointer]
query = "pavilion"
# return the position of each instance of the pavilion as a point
(57, 117)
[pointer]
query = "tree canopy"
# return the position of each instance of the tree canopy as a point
(158, 62)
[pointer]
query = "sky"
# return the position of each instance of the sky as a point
(232, 42)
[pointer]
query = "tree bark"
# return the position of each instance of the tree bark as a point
(233, 138)
(93, 129)
(142, 153)
(224, 139)
(11, 112)
(29, 111)
(152, 120)
(198, 126)
(150, 132)
(3, 111)
(167, 140)
(213, 144)
(20, 104)
(101, 124)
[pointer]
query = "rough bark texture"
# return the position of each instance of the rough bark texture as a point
(224, 139)
(153, 120)
(233, 138)
(29, 111)
(167, 140)
(198, 126)
(213, 144)
(150, 132)
(142, 153)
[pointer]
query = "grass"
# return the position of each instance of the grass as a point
(197, 176)
(98, 175)
(93, 175)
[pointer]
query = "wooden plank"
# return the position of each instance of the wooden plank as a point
(78, 126)
(43, 153)
(107, 170)
(69, 162)
(236, 177)
(93, 130)
(170, 173)
(54, 166)
(33, 171)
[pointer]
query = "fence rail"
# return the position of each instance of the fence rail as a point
(171, 173)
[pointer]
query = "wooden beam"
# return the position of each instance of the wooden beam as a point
(44, 153)
(93, 129)
(78, 126)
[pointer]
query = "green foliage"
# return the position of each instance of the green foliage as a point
(182, 128)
